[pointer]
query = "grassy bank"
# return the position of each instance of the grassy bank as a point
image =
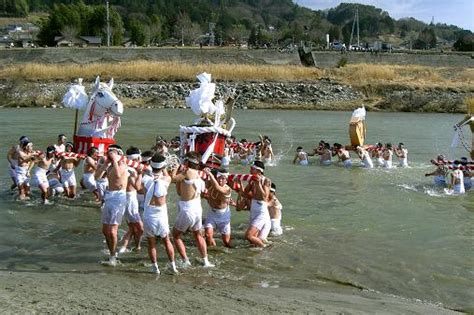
(358, 75)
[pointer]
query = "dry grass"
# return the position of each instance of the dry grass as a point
(412, 75)
(359, 75)
(469, 102)
(159, 71)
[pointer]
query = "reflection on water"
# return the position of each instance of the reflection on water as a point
(385, 230)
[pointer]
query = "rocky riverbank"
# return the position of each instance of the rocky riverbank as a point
(323, 94)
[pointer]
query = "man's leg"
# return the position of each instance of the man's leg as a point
(110, 233)
(152, 249)
(209, 232)
(201, 243)
(252, 236)
(137, 233)
(44, 188)
(178, 242)
(170, 252)
(226, 240)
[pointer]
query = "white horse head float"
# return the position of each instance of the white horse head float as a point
(103, 101)
(101, 112)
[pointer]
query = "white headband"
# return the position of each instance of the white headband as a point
(192, 160)
(134, 156)
(257, 168)
(119, 151)
(219, 174)
(272, 189)
(158, 165)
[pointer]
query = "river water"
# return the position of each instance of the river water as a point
(387, 231)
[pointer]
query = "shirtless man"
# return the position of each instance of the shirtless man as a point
(457, 179)
(12, 157)
(66, 172)
(266, 150)
(402, 153)
(387, 156)
(60, 145)
(226, 157)
(343, 155)
(325, 155)
(90, 166)
(376, 154)
(189, 187)
(441, 171)
(25, 159)
(155, 217)
(43, 163)
(160, 146)
(115, 198)
(301, 157)
(364, 157)
(132, 214)
(218, 215)
(258, 192)
(274, 208)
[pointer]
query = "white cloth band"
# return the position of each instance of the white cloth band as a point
(158, 165)
(219, 174)
(257, 168)
(134, 156)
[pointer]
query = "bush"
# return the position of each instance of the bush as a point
(342, 62)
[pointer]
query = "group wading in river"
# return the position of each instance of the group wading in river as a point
(198, 163)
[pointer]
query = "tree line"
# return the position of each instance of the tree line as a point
(258, 22)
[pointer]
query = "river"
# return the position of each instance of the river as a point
(387, 231)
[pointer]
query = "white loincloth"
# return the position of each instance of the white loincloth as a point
(89, 181)
(367, 162)
(39, 176)
(155, 221)
(260, 218)
(68, 178)
(132, 214)
(218, 219)
(189, 215)
(276, 229)
(21, 175)
(459, 188)
(56, 186)
(387, 163)
(326, 162)
(304, 162)
(403, 162)
(113, 208)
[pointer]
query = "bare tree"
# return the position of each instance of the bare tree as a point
(185, 30)
(69, 32)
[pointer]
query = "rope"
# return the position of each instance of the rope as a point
(460, 134)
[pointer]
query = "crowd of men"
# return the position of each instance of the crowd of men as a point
(380, 153)
(134, 184)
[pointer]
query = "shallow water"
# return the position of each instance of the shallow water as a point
(389, 231)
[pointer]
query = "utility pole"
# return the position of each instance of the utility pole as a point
(357, 14)
(108, 24)
(354, 23)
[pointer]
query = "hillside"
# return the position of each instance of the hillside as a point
(258, 22)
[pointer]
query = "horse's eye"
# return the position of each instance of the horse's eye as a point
(100, 94)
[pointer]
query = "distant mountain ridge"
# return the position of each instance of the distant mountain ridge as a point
(272, 22)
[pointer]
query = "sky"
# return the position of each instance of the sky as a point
(456, 12)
